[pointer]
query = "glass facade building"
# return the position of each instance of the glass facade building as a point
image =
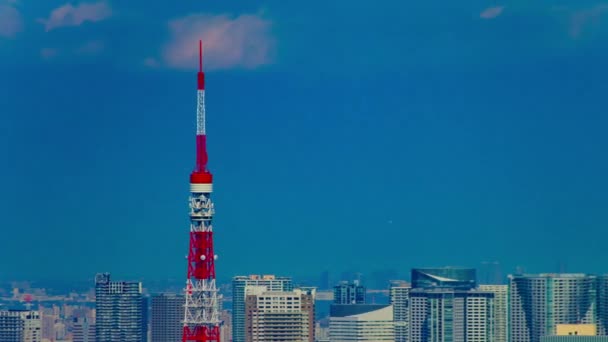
(539, 302)
(349, 293)
(446, 306)
(448, 315)
(121, 313)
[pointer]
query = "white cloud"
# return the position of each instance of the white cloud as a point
(244, 41)
(68, 15)
(491, 12)
(11, 22)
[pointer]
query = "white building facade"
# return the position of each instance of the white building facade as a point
(361, 322)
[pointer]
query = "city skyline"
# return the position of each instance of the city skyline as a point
(484, 144)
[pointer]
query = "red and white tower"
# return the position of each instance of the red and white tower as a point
(202, 316)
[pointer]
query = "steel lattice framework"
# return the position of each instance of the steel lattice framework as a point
(201, 316)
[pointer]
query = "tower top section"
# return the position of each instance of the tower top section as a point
(201, 74)
(201, 175)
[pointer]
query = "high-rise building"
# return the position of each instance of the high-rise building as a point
(48, 324)
(273, 316)
(449, 315)
(226, 328)
(11, 326)
(400, 300)
(60, 331)
(239, 291)
(501, 310)
(119, 310)
(448, 277)
(446, 306)
(167, 317)
(602, 304)
(539, 302)
(20, 326)
(32, 326)
(361, 322)
(83, 330)
(349, 293)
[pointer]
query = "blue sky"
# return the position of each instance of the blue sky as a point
(343, 135)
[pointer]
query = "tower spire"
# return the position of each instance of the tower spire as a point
(201, 73)
(201, 174)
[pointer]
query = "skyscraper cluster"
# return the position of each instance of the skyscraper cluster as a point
(446, 304)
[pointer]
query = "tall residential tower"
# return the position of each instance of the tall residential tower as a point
(244, 285)
(279, 316)
(400, 300)
(501, 310)
(119, 310)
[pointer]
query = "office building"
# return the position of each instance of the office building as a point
(449, 315)
(538, 302)
(83, 330)
(444, 277)
(20, 326)
(240, 285)
(361, 322)
(501, 310)
(120, 311)
(349, 293)
(273, 316)
(167, 317)
(400, 300)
